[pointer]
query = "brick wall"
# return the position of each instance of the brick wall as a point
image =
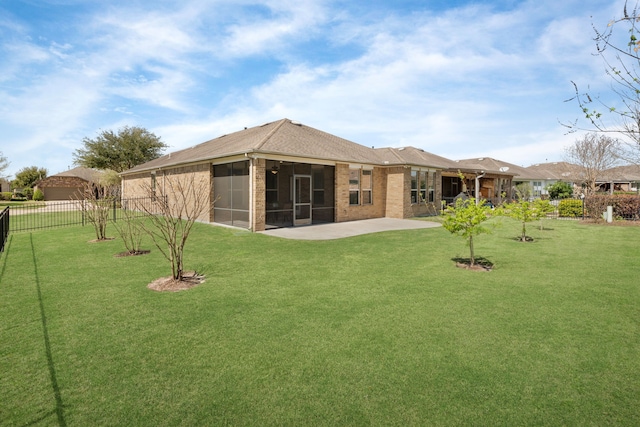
(195, 180)
(259, 186)
(347, 212)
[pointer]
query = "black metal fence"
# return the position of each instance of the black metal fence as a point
(42, 215)
(4, 227)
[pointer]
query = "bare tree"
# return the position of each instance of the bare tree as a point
(173, 205)
(618, 45)
(592, 156)
(131, 230)
(95, 208)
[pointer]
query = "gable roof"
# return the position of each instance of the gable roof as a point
(490, 165)
(286, 138)
(87, 174)
(630, 173)
(413, 156)
(561, 171)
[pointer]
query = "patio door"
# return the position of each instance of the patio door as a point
(301, 199)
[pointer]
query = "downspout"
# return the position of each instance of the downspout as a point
(478, 184)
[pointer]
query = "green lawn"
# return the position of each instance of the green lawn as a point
(379, 329)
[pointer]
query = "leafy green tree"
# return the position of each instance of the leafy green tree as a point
(28, 176)
(524, 211)
(543, 207)
(465, 219)
(120, 151)
(524, 191)
(560, 190)
(109, 181)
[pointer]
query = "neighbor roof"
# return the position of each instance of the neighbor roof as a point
(490, 165)
(87, 174)
(561, 171)
(288, 138)
(413, 156)
(630, 173)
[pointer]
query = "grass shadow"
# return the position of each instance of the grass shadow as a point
(47, 343)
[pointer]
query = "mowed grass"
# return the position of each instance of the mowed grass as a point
(380, 329)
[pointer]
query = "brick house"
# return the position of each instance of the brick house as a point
(67, 185)
(285, 173)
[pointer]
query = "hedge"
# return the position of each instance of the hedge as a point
(624, 206)
(570, 208)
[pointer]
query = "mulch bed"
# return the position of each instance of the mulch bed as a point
(135, 253)
(189, 280)
(481, 264)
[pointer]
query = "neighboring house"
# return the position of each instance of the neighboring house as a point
(542, 175)
(493, 178)
(621, 178)
(67, 185)
(285, 173)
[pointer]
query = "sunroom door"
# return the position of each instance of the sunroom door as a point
(302, 199)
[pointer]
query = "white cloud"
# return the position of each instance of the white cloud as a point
(468, 80)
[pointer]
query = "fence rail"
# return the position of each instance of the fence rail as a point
(54, 214)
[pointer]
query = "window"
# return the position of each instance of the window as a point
(414, 187)
(365, 186)
(537, 188)
(432, 181)
(354, 186)
(360, 187)
(423, 186)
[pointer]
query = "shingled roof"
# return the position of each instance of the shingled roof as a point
(561, 171)
(413, 156)
(290, 138)
(490, 165)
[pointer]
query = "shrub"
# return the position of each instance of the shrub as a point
(28, 193)
(624, 206)
(6, 195)
(38, 195)
(570, 208)
(560, 190)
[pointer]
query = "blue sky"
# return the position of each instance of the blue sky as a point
(460, 79)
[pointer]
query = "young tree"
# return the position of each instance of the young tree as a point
(524, 191)
(172, 207)
(618, 45)
(465, 219)
(593, 155)
(28, 176)
(543, 207)
(560, 190)
(130, 229)
(119, 151)
(95, 208)
(523, 211)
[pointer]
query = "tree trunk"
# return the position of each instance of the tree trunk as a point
(472, 259)
(524, 232)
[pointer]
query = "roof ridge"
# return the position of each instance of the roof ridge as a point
(270, 134)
